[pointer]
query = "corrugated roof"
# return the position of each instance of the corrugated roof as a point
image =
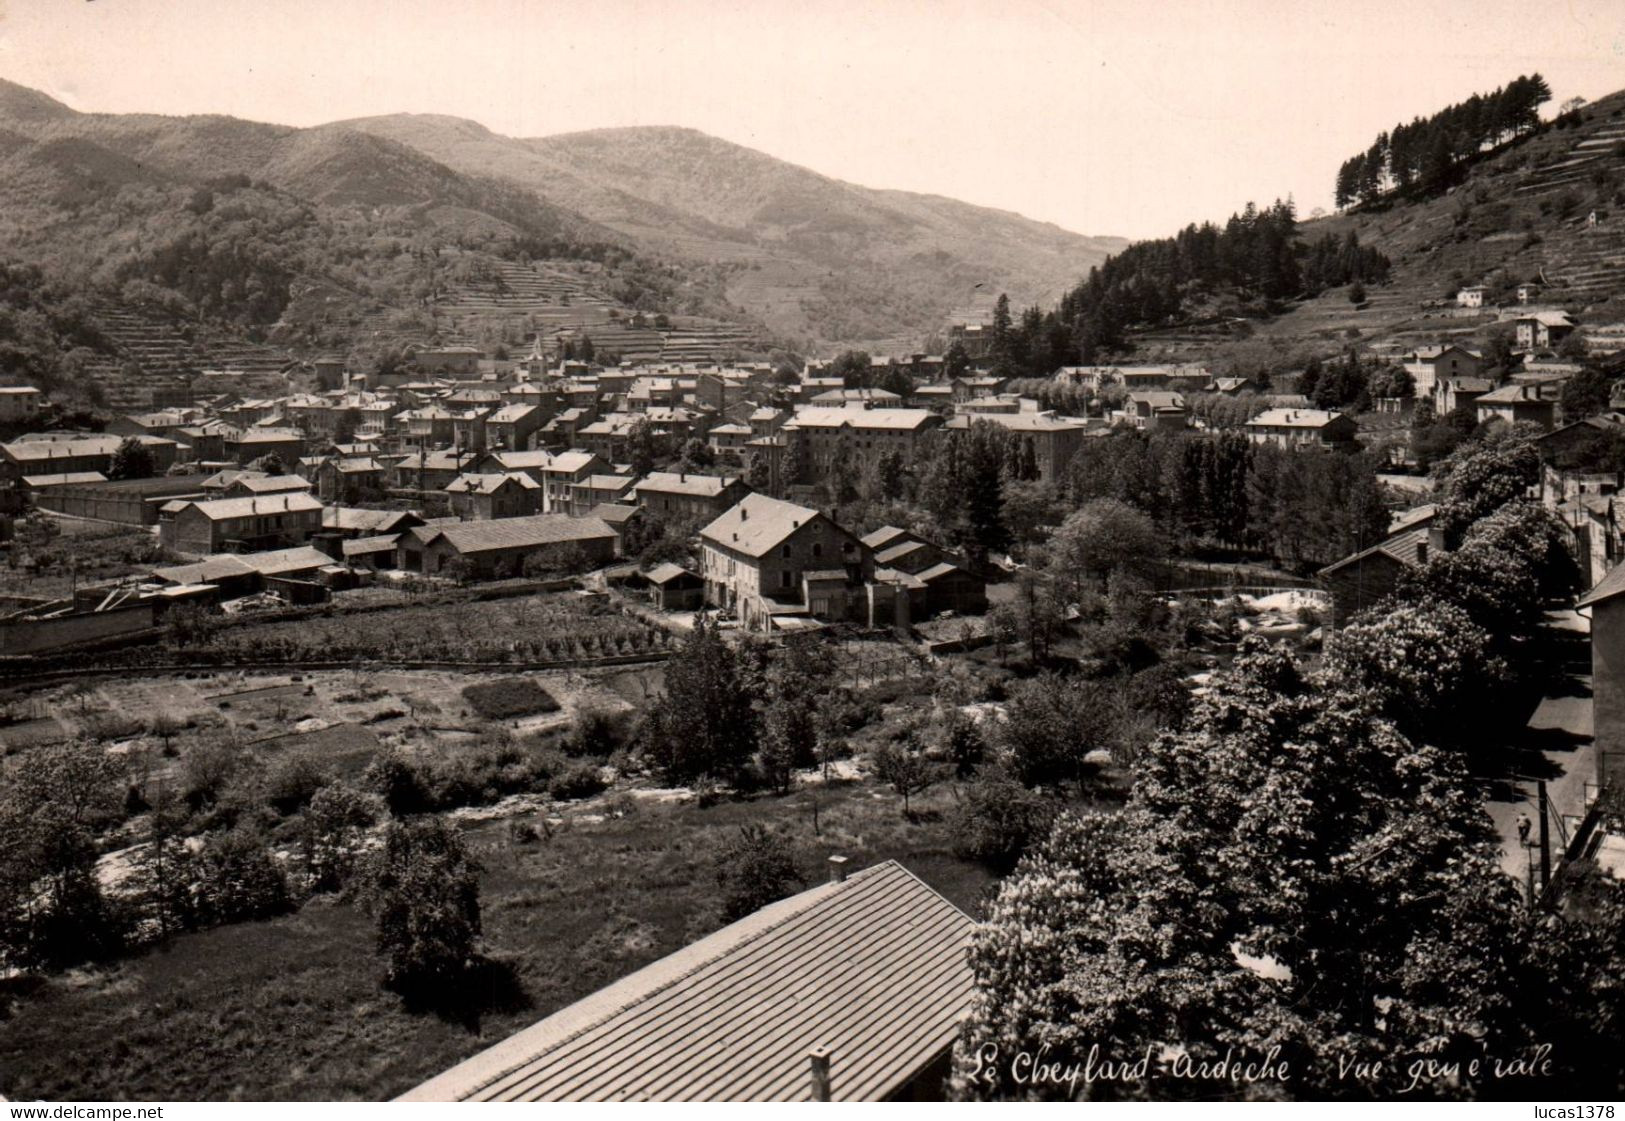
(893, 553)
(874, 969)
(366, 546)
(218, 566)
(1293, 418)
(570, 462)
(613, 513)
(354, 517)
(270, 484)
(1029, 422)
(66, 478)
(938, 571)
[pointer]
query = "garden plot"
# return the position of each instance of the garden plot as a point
(28, 734)
(541, 628)
(343, 748)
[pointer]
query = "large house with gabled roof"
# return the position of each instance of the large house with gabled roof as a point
(766, 558)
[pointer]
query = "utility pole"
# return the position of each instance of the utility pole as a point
(1529, 877)
(1545, 837)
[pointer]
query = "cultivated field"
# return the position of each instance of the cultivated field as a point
(539, 628)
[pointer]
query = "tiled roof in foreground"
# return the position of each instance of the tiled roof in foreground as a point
(872, 968)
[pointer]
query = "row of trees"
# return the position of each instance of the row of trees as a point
(1302, 510)
(1427, 153)
(978, 490)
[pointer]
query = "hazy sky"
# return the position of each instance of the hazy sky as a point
(1102, 116)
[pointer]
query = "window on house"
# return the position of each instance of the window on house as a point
(787, 551)
(818, 549)
(784, 578)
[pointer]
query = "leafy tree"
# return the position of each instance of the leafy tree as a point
(1001, 338)
(1356, 293)
(1499, 357)
(1482, 476)
(1034, 615)
(755, 868)
(642, 447)
(165, 875)
(698, 454)
(240, 879)
(1585, 394)
(424, 891)
(132, 459)
(964, 744)
(1029, 510)
(961, 484)
(793, 468)
(459, 570)
(904, 768)
(956, 363)
(393, 778)
(1102, 537)
(1429, 668)
(292, 781)
(54, 802)
(759, 476)
(789, 721)
(270, 463)
(1574, 347)
(331, 830)
(998, 819)
(1393, 381)
(1050, 725)
(191, 624)
(1289, 872)
(705, 727)
(854, 368)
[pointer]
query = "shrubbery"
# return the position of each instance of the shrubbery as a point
(755, 868)
(424, 891)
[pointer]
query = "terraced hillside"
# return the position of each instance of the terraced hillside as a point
(156, 359)
(1523, 215)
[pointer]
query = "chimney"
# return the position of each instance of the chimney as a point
(744, 514)
(837, 869)
(818, 1063)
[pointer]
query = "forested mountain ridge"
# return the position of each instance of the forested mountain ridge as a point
(312, 239)
(812, 256)
(357, 235)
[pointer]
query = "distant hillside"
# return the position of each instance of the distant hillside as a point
(810, 256)
(187, 229)
(1518, 216)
